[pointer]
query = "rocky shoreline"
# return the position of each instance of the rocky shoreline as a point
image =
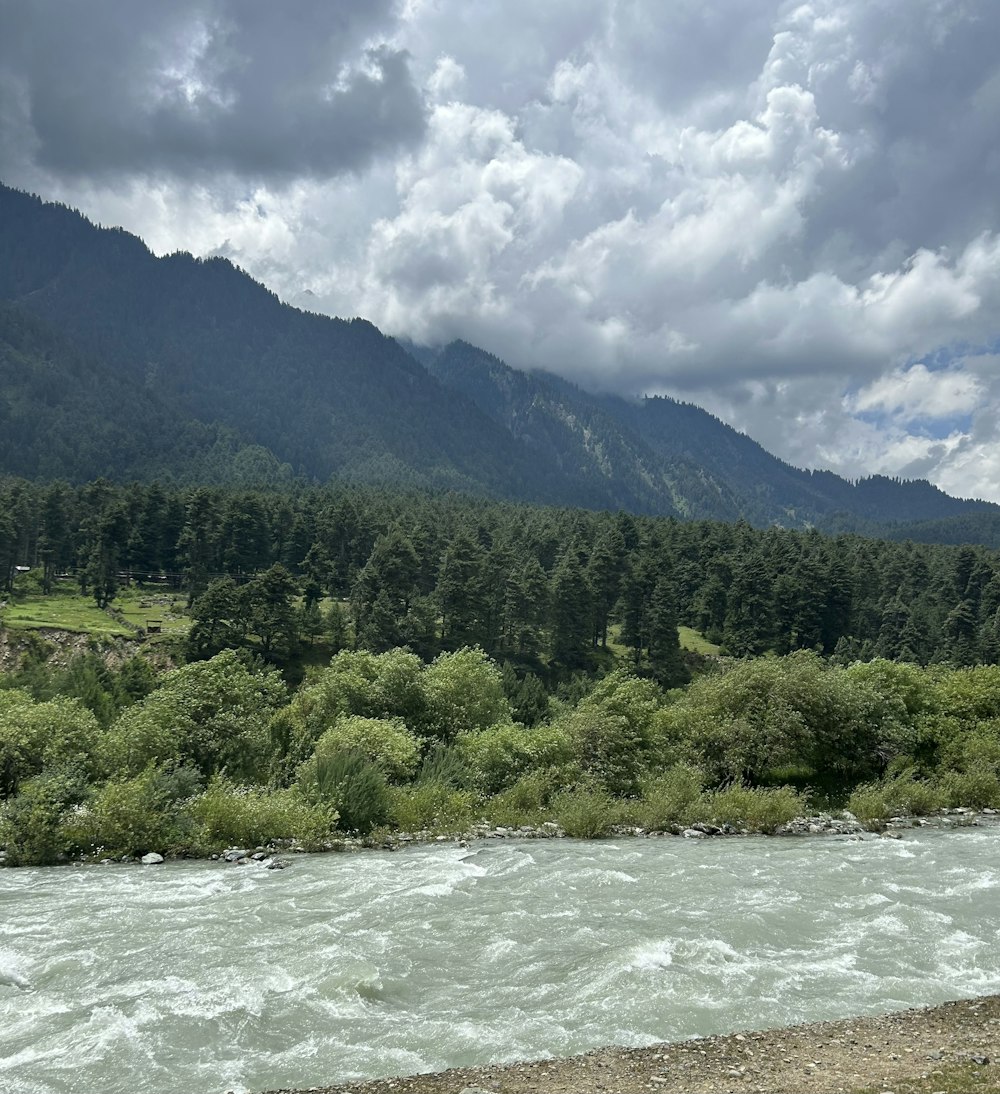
(953, 1048)
(844, 825)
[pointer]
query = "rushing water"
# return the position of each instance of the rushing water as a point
(197, 978)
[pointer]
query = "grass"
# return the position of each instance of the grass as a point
(139, 606)
(61, 612)
(960, 1079)
(696, 642)
(690, 639)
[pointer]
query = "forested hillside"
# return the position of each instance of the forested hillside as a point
(114, 362)
(543, 587)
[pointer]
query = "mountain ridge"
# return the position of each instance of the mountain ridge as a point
(196, 354)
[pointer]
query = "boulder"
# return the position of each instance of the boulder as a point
(152, 859)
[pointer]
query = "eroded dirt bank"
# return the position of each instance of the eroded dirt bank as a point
(950, 1048)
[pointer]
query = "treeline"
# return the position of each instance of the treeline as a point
(544, 588)
(218, 753)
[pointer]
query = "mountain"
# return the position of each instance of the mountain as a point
(660, 448)
(217, 349)
(115, 362)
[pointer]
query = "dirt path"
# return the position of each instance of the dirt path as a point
(949, 1049)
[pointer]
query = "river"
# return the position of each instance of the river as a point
(198, 978)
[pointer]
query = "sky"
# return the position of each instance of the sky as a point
(788, 213)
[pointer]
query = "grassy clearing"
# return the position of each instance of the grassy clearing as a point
(140, 606)
(696, 642)
(690, 639)
(63, 612)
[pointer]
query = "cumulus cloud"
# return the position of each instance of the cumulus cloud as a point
(917, 392)
(785, 210)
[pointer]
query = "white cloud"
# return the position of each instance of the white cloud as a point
(917, 392)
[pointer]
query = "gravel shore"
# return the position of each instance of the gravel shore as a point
(946, 1049)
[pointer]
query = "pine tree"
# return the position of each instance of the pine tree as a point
(666, 662)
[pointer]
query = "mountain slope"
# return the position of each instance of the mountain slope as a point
(115, 362)
(328, 396)
(678, 453)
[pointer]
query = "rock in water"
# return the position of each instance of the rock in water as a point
(152, 859)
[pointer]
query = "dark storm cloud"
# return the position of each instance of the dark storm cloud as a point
(200, 86)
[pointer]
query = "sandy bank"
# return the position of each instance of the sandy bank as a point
(950, 1048)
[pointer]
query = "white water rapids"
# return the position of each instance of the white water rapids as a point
(198, 978)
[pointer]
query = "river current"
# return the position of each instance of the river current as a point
(198, 978)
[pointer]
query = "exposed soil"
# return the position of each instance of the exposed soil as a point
(939, 1050)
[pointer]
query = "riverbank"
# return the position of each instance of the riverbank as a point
(952, 1048)
(278, 854)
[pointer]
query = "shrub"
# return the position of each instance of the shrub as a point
(388, 744)
(35, 736)
(612, 731)
(129, 817)
(443, 764)
(894, 796)
(791, 712)
(978, 789)
(352, 785)
(670, 799)
(31, 823)
(498, 756)
(584, 814)
(464, 693)
(227, 815)
(433, 806)
(529, 800)
(212, 714)
(757, 809)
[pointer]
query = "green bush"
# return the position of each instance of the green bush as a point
(35, 736)
(129, 817)
(444, 764)
(227, 815)
(585, 814)
(31, 824)
(612, 731)
(671, 799)
(387, 686)
(351, 784)
(387, 743)
(529, 800)
(757, 809)
(979, 789)
(895, 796)
(214, 715)
(500, 755)
(432, 806)
(790, 712)
(464, 693)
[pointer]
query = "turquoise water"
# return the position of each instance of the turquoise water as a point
(196, 977)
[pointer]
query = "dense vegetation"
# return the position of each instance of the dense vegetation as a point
(219, 753)
(117, 363)
(551, 590)
(542, 677)
(360, 657)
